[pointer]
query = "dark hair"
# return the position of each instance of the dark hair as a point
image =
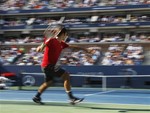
(63, 31)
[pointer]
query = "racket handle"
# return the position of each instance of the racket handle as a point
(42, 46)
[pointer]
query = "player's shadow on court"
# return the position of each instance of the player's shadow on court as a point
(36, 104)
(118, 109)
(78, 106)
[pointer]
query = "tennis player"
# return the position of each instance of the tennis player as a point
(52, 50)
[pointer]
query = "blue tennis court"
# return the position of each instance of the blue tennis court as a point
(92, 95)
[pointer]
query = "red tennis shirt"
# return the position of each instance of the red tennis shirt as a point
(52, 51)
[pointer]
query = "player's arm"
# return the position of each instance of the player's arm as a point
(80, 48)
(41, 47)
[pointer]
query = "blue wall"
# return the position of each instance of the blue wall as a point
(102, 70)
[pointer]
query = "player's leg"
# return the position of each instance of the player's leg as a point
(66, 79)
(67, 86)
(44, 86)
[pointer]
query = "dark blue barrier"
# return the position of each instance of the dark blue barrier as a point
(93, 70)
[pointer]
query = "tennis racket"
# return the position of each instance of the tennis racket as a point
(54, 29)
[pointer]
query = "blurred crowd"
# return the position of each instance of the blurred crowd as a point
(18, 21)
(21, 40)
(10, 54)
(132, 54)
(53, 4)
(20, 56)
(80, 57)
(128, 54)
(82, 38)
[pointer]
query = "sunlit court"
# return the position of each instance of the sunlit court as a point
(75, 56)
(96, 101)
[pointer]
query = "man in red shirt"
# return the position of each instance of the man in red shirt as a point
(52, 50)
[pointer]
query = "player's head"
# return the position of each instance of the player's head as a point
(63, 35)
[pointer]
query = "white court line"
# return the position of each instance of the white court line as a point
(99, 93)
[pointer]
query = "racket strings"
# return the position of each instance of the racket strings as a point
(52, 31)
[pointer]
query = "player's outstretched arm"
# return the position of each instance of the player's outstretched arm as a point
(80, 48)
